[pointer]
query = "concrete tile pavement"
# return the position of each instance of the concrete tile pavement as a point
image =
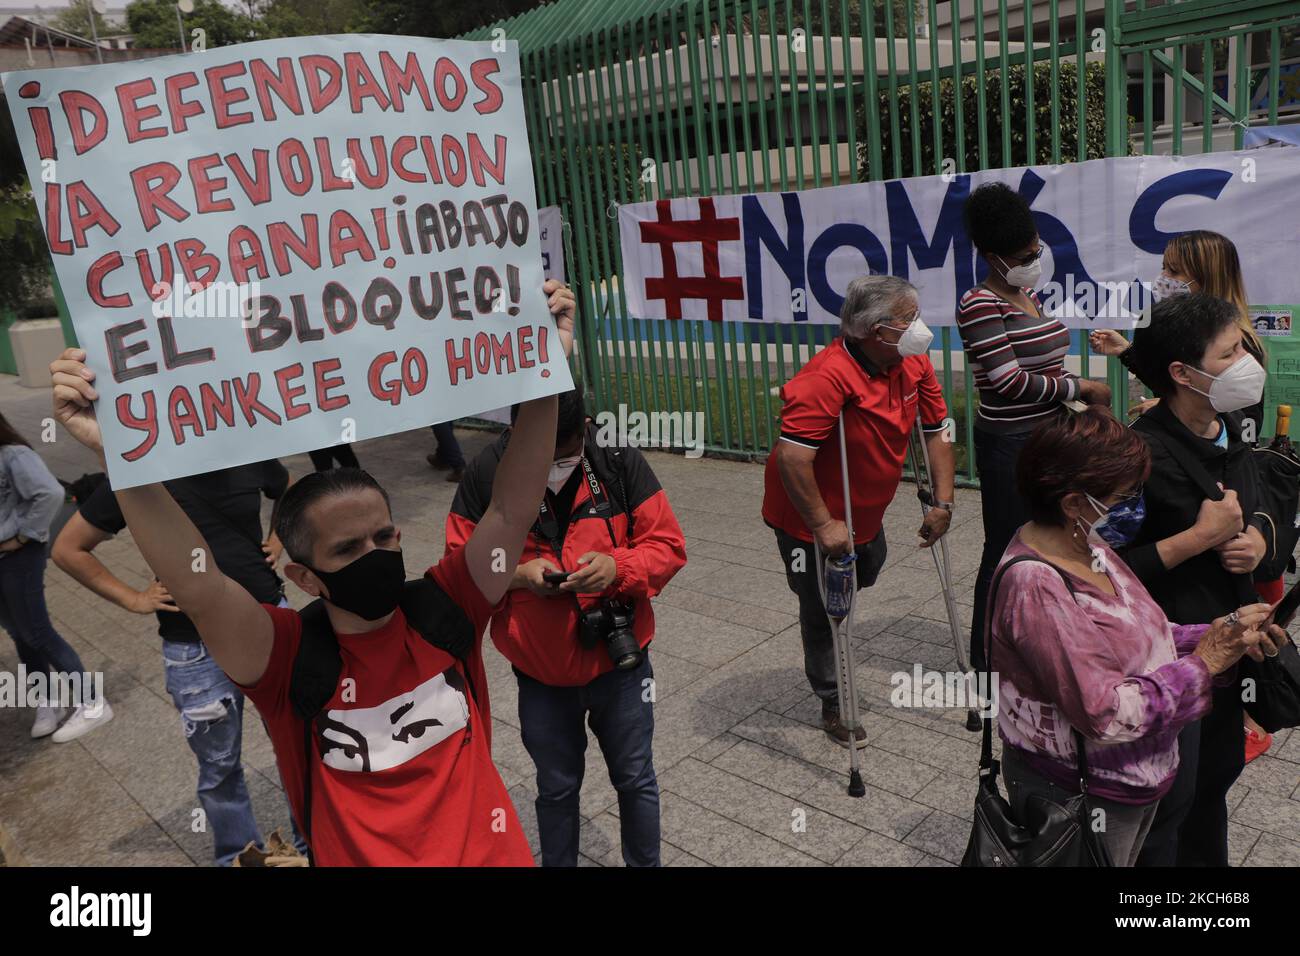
(746, 776)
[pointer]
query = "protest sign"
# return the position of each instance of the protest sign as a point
(788, 257)
(551, 233)
(284, 245)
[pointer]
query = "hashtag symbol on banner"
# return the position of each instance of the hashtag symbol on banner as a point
(713, 287)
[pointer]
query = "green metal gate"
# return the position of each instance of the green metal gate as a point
(1249, 49)
(630, 100)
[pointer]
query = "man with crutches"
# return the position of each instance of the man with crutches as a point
(877, 379)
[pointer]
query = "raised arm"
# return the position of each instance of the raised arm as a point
(232, 624)
(492, 551)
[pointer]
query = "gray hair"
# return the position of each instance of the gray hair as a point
(870, 300)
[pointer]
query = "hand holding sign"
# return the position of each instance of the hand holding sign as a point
(74, 396)
(563, 306)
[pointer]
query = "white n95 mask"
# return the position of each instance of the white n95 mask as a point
(1238, 386)
(1024, 275)
(916, 339)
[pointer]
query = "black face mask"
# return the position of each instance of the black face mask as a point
(370, 587)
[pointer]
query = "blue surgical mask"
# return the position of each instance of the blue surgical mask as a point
(1118, 524)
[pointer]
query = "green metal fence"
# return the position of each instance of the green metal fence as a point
(630, 100)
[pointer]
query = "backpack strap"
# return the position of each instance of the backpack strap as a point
(439, 620)
(315, 675)
(317, 666)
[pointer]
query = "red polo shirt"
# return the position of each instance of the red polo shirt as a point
(880, 407)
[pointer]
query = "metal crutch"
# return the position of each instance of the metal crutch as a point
(842, 635)
(920, 460)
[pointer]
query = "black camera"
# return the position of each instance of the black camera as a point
(611, 624)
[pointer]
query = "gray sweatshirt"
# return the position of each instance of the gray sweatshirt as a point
(29, 495)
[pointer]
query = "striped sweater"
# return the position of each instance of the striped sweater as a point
(1017, 361)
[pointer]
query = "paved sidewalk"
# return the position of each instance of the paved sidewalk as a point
(747, 778)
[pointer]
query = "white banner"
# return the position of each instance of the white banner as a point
(788, 257)
(284, 245)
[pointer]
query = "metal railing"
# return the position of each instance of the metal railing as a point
(631, 100)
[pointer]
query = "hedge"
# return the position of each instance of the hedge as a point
(1068, 120)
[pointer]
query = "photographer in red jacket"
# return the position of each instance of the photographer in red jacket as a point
(576, 625)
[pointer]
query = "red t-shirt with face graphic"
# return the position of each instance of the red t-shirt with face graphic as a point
(402, 773)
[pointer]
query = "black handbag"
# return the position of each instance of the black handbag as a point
(1272, 698)
(1276, 689)
(1051, 834)
(1279, 501)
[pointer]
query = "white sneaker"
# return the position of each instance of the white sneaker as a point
(82, 722)
(47, 720)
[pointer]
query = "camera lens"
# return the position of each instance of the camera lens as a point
(623, 649)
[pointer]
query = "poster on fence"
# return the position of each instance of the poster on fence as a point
(788, 257)
(1278, 327)
(284, 245)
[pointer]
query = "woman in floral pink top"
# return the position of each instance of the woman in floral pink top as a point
(1097, 654)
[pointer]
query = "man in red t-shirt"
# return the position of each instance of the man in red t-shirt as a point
(878, 374)
(395, 768)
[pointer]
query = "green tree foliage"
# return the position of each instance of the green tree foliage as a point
(292, 18)
(22, 247)
(76, 19)
(154, 24)
(24, 258)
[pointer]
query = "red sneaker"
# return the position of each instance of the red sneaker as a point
(1257, 745)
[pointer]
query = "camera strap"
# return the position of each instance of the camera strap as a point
(599, 500)
(549, 527)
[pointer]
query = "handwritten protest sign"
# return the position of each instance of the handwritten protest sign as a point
(284, 245)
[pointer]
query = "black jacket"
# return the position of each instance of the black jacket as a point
(1199, 589)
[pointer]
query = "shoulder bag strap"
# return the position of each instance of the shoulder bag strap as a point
(989, 766)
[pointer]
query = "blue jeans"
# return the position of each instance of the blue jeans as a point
(618, 710)
(448, 452)
(212, 713)
(24, 615)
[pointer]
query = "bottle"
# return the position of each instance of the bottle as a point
(1281, 434)
(841, 581)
